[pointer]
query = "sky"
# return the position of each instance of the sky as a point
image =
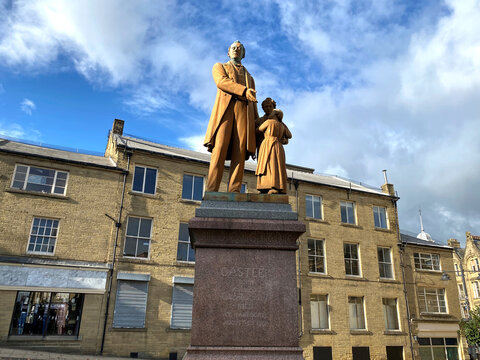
(364, 85)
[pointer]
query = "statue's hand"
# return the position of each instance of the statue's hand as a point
(251, 95)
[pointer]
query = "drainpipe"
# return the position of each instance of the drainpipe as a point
(402, 266)
(300, 312)
(118, 224)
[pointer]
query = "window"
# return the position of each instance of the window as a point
(46, 313)
(476, 289)
(243, 189)
(427, 261)
(182, 303)
(357, 314)
(380, 217)
(185, 251)
(347, 211)
(316, 256)
(192, 187)
(43, 236)
(352, 262)
(360, 353)
(385, 262)
(461, 291)
(137, 241)
(313, 206)
(394, 352)
(319, 311)
(438, 348)
(322, 353)
(130, 304)
(390, 314)
(475, 265)
(457, 270)
(144, 180)
(432, 300)
(40, 180)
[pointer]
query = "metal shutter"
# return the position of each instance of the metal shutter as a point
(182, 302)
(130, 304)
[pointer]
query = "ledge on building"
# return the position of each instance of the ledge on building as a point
(360, 332)
(169, 329)
(190, 202)
(320, 275)
(137, 261)
(355, 226)
(179, 263)
(36, 193)
(322, 332)
(128, 329)
(21, 338)
(383, 230)
(315, 220)
(394, 332)
(355, 278)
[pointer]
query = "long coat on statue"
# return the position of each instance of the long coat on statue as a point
(228, 85)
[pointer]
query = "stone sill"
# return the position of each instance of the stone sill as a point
(320, 221)
(354, 277)
(383, 230)
(169, 329)
(46, 338)
(355, 226)
(35, 193)
(360, 332)
(394, 332)
(320, 275)
(128, 329)
(322, 332)
(439, 272)
(389, 281)
(190, 264)
(151, 196)
(424, 316)
(191, 202)
(136, 261)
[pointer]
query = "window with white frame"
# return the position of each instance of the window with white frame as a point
(182, 303)
(385, 266)
(41, 180)
(347, 212)
(185, 251)
(427, 261)
(476, 289)
(431, 300)
(475, 265)
(390, 314)
(461, 291)
(319, 311)
(137, 240)
(457, 270)
(356, 313)
(43, 236)
(316, 256)
(352, 259)
(380, 217)
(144, 180)
(192, 187)
(313, 206)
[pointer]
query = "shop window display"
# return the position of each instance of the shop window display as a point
(46, 313)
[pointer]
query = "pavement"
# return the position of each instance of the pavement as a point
(9, 353)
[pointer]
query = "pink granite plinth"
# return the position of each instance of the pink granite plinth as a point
(245, 296)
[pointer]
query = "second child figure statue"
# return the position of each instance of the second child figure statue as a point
(271, 167)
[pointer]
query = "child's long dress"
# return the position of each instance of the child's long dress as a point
(271, 168)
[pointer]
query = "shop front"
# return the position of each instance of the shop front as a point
(48, 303)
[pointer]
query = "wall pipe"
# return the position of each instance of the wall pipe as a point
(118, 224)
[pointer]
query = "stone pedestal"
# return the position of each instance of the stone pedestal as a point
(245, 294)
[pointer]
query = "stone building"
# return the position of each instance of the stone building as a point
(433, 299)
(97, 249)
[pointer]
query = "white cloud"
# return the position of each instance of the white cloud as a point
(27, 106)
(18, 131)
(195, 143)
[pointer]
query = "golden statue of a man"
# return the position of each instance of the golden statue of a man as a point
(231, 130)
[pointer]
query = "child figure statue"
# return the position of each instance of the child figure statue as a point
(271, 167)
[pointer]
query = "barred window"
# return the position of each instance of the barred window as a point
(137, 240)
(43, 236)
(316, 256)
(427, 261)
(431, 300)
(37, 179)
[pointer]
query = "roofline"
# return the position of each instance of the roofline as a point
(178, 157)
(444, 247)
(113, 168)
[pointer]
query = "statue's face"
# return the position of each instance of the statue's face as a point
(268, 108)
(236, 51)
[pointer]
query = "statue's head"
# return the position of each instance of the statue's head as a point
(236, 51)
(268, 105)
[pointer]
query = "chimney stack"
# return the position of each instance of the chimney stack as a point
(118, 126)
